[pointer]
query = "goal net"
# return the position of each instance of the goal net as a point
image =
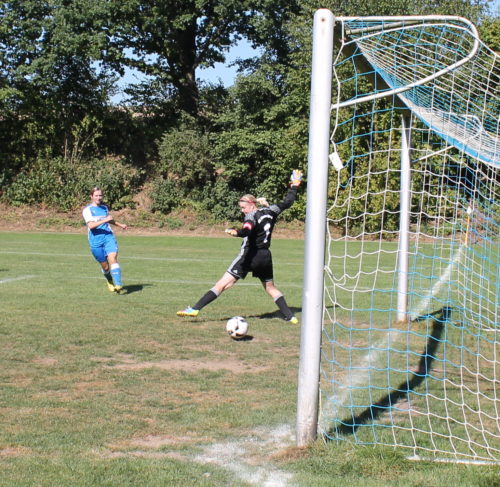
(410, 344)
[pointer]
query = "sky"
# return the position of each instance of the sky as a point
(220, 72)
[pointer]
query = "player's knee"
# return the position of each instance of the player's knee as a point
(228, 284)
(271, 289)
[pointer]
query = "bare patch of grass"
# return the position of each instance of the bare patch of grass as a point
(12, 452)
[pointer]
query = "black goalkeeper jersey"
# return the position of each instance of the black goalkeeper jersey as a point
(259, 224)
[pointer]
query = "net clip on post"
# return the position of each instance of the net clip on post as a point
(335, 160)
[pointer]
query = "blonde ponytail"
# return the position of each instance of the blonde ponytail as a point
(250, 198)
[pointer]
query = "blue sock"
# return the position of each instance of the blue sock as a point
(116, 272)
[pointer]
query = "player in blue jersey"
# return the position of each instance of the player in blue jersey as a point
(254, 254)
(102, 241)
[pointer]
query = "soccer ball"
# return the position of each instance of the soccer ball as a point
(237, 327)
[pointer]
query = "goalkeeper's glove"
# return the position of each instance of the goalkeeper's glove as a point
(296, 177)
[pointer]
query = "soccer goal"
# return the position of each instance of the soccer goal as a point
(400, 339)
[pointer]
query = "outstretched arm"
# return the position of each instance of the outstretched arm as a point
(243, 232)
(295, 180)
(123, 226)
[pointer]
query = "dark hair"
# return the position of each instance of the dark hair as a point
(94, 189)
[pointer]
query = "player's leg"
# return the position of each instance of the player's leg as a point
(263, 269)
(107, 274)
(115, 270)
(100, 256)
(280, 301)
(237, 270)
(111, 249)
(225, 282)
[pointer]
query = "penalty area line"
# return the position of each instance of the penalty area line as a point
(125, 257)
(135, 280)
(445, 277)
(12, 279)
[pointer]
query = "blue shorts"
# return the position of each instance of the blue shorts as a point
(108, 246)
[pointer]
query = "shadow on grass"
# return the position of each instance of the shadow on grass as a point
(275, 314)
(279, 315)
(134, 288)
(350, 425)
(246, 338)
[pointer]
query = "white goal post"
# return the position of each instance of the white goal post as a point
(400, 319)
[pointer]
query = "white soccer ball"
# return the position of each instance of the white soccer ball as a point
(237, 327)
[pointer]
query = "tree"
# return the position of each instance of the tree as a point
(489, 30)
(50, 87)
(264, 127)
(168, 40)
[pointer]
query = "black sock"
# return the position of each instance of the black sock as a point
(207, 298)
(281, 303)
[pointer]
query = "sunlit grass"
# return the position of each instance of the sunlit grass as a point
(105, 390)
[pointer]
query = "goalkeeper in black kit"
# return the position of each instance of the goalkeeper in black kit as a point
(254, 255)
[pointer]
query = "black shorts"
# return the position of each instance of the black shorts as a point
(259, 261)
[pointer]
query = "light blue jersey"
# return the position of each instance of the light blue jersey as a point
(93, 213)
(101, 239)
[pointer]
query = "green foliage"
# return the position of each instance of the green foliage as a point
(165, 195)
(83, 139)
(52, 96)
(60, 61)
(489, 30)
(466, 8)
(170, 42)
(185, 157)
(221, 201)
(171, 223)
(59, 184)
(185, 167)
(252, 128)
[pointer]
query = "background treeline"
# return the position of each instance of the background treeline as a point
(182, 142)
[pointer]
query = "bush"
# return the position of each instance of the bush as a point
(186, 157)
(59, 184)
(165, 195)
(221, 201)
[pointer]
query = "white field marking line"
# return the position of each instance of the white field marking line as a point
(239, 457)
(132, 281)
(12, 279)
(356, 378)
(445, 277)
(132, 257)
(418, 458)
(53, 254)
(361, 376)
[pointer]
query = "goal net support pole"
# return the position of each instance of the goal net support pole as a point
(314, 258)
(404, 220)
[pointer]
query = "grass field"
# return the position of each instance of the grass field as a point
(100, 389)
